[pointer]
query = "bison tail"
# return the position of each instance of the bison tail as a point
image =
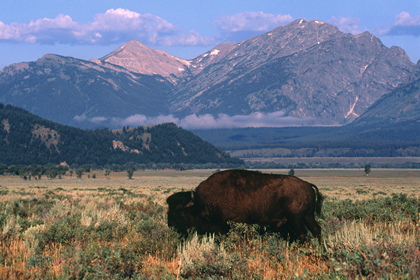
(319, 200)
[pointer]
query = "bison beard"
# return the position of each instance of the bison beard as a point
(281, 203)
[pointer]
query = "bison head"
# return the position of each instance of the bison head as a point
(187, 212)
(184, 211)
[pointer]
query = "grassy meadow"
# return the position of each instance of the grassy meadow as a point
(112, 227)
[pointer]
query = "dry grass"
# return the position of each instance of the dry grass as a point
(114, 200)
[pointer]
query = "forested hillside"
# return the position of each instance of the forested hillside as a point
(28, 139)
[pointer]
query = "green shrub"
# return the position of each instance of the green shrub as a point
(64, 231)
(39, 260)
(109, 231)
(154, 237)
(385, 209)
(98, 261)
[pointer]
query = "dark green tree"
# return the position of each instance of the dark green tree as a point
(367, 169)
(79, 172)
(52, 173)
(130, 173)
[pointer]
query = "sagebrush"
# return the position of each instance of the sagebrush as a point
(120, 233)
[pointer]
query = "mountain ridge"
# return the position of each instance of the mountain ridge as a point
(53, 82)
(307, 70)
(288, 81)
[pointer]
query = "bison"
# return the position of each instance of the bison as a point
(279, 203)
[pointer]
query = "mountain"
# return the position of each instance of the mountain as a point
(306, 70)
(396, 111)
(69, 90)
(29, 139)
(138, 58)
(213, 56)
(389, 128)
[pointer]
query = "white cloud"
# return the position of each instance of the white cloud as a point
(244, 25)
(252, 21)
(404, 25)
(113, 26)
(347, 24)
(98, 119)
(41, 30)
(191, 38)
(405, 19)
(141, 120)
(206, 121)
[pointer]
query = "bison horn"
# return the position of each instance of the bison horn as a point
(191, 202)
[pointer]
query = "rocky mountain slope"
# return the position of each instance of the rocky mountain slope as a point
(138, 58)
(390, 128)
(400, 108)
(307, 69)
(69, 90)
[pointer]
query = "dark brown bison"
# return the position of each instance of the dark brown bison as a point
(280, 203)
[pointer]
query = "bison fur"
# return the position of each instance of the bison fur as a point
(280, 203)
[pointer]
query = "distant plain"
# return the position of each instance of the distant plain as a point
(340, 182)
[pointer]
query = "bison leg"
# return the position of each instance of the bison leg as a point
(313, 226)
(299, 229)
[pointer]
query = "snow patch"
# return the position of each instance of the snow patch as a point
(351, 111)
(181, 69)
(364, 68)
(269, 34)
(300, 22)
(215, 52)
(186, 62)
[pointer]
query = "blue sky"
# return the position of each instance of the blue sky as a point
(186, 28)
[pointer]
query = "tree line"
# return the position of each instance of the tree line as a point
(50, 171)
